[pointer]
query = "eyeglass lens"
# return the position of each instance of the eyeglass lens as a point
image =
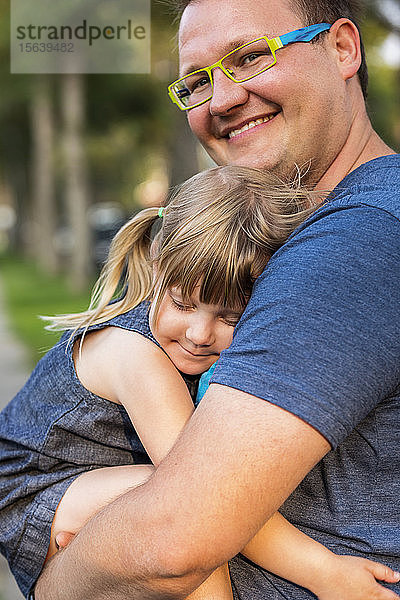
(241, 64)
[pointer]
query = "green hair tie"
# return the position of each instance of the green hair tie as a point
(161, 211)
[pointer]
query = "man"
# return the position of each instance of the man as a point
(312, 377)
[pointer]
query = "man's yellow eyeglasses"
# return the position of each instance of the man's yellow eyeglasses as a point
(240, 65)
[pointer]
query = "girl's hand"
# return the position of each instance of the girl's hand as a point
(63, 538)
(355, 578)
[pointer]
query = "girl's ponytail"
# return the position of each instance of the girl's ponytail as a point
(128, 269)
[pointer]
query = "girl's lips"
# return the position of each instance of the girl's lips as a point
(199, 355)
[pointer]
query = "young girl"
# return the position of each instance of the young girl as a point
(110, 397)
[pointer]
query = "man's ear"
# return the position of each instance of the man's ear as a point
(345, 40)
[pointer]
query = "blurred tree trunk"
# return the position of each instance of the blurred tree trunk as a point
(76, 179)
(182, 151)
(43, 213)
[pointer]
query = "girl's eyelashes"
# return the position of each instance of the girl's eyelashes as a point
(179, 305)
(231, 321)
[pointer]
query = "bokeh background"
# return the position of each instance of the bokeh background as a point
(81, 153)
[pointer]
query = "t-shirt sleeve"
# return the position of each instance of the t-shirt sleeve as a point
(320, 336)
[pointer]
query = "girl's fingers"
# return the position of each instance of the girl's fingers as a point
(63, 538)
(383, 573)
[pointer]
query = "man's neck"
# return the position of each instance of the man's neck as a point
(362, 145)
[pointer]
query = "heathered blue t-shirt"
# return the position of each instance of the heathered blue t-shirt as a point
(320, 338)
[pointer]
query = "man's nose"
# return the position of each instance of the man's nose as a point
(226, 94)
(200, 332)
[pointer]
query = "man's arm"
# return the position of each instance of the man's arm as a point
(237, 460)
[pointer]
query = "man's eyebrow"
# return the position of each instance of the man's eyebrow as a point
(232, 45)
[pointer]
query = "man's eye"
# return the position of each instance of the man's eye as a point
(200, 83)
(249, 58)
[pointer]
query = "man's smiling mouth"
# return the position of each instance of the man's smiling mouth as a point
(250, 125)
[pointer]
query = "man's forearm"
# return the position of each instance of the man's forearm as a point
(100, 564)
(87, 584)
(234, 464)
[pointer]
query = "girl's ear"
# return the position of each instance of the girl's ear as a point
(345, 38)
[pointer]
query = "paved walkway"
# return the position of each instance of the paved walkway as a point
(13, 373)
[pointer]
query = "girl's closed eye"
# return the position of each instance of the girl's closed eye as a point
(231, 320)
(179, 304)
(229, 316)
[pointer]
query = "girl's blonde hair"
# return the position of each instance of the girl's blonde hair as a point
(218, 231)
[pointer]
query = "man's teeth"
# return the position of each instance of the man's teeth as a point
(236, 132)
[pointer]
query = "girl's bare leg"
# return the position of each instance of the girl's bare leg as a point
(89, 493)
(216, 587)
(93, 490)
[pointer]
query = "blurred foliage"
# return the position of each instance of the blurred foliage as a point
(30, 292)
(130, 122)
(384, 80)
(133, 134)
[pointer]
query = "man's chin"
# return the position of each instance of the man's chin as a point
(287, 171)
(262, 162)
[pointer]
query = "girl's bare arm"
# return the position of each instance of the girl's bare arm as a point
(128, 369)
(284, 550)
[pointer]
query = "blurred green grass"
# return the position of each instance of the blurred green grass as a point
(29, 292)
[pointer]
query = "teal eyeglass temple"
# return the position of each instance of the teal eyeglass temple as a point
(305, 34)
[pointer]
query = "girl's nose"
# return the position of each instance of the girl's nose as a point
(200, 332)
